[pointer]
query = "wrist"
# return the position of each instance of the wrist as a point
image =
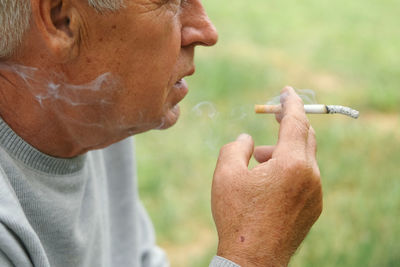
(252, 257)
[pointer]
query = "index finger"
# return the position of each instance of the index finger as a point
(294, 129)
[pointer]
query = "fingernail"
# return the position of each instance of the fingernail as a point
(243, 137)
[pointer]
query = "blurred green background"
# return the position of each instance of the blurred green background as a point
(348, 53)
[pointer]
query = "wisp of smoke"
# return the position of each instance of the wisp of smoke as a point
(307, 95)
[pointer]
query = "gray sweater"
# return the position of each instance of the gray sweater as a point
(80, 212)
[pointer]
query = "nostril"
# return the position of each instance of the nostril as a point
(206, 35)
(197, 28)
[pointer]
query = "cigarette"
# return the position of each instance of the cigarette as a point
(311, 109)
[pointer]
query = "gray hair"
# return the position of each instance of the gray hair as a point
(15, 17)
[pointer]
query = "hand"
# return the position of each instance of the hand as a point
(263, 214)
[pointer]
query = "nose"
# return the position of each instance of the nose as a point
(197, 28)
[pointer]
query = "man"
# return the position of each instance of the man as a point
(79, 76)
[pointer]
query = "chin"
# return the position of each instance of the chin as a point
(170, 118)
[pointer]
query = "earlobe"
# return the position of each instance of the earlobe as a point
(55, 20)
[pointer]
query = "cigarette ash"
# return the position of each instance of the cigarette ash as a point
(332, 109)
(309, 98)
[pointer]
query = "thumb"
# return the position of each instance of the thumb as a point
(236, 155)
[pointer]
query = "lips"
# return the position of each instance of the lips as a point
(181, 89)
(181, 84)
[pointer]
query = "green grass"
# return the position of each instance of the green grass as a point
(347, 52)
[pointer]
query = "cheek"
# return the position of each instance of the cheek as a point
(155, 55)
(150, 85)
(147, 67)
(142, 105)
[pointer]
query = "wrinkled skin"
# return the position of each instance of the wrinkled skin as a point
(84, 80)
(263, 214)
(146, 47)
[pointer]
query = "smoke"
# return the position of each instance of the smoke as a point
(220, 125)
(307, 95)
(205, 108)
(217, 124)
(51, 87)
(51, 91)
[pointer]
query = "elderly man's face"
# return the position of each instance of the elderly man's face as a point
(148, 47)
(88, 80)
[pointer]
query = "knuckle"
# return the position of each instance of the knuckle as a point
(228, 179)
(299, 122)
(302, 170)
(298, 167)
(224, 171)
(316, 189)
(221, 172)
(226, 150)
(302, 120)
(316, 183)
(312, 139)
(317, 175)
(318, 201)
(312, 131)
(229, 172)
(298, 99)
(226, 147)
(320, 206)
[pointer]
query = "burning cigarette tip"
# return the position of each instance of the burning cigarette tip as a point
(311, 109)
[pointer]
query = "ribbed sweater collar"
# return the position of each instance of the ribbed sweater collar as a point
(30, 156)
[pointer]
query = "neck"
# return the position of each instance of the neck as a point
(47, 114)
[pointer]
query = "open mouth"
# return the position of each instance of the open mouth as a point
(180, 90)
(181, 85)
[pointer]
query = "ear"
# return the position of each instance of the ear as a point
(59, 24)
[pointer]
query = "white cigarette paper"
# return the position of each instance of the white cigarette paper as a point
(311, 109)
